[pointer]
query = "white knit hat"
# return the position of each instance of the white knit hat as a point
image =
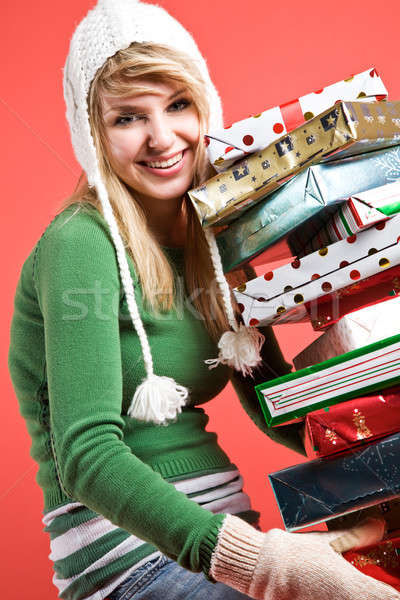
(110, 26)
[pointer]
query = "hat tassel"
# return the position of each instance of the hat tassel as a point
(158, 399)
(239, 349)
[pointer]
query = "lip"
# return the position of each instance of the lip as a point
(168, 172)
(166, 157)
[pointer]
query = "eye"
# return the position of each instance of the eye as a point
(180, 104)
(124, 120)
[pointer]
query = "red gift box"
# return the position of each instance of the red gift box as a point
(380, 561)
(328, 309)
(351, 423)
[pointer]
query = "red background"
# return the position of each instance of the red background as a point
(260, 54)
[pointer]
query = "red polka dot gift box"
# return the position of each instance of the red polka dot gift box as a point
(345, 129)
(225, 146)
(280, 295)
(330, 308)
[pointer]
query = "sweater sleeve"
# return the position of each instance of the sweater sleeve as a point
(273, 365)
(77, 281)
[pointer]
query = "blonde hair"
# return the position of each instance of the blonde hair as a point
(120, 76)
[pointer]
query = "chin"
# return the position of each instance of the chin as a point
(170, 193)
(170, 197)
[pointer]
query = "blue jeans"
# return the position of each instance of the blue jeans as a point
(161, 578)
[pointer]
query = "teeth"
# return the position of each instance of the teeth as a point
(167, 163)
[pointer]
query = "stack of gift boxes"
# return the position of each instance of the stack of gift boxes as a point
(317, 181)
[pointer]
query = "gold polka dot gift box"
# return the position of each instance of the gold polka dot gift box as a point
(278, 296)
(345, 129)
(225, 146)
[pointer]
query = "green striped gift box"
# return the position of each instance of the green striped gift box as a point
(343, 377)
(357, 213)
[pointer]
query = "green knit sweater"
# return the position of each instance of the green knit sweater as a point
(75, 362)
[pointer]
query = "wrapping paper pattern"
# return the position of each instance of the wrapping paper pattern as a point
(344, 377)
(274, 296)
(355, 330)
(349, 127)
(312, 192)
(250, 135)
(381, 561)
(327, 310)
(354, 215)
(321, 489)
(351, 423)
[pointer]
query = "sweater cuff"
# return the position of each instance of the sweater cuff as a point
(236, 553)
(208, 544)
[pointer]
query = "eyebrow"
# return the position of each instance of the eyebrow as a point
(131, 107)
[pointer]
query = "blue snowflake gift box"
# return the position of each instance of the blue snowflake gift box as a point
(322, 489)
(314, 192)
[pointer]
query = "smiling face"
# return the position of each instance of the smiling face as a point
(152, 139)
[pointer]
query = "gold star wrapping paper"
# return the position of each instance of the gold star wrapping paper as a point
(345, 129)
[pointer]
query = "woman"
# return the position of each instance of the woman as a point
(116, 323)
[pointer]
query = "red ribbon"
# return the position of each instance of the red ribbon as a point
(292, 114)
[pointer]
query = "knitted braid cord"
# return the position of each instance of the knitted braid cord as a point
(158, 398)
(241, 347)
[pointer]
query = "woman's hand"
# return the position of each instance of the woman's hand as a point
(296, 566)
(370, 531)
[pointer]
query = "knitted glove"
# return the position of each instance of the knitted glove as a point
(294, 566)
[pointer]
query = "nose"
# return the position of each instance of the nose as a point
(161, 135)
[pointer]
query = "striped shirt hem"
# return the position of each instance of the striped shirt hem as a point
(91, 556)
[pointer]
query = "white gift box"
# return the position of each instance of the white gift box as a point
(355, 330)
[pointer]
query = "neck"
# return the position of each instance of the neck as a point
(167, 221)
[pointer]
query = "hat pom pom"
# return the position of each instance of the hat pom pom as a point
(158, 399)
(239, 349)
